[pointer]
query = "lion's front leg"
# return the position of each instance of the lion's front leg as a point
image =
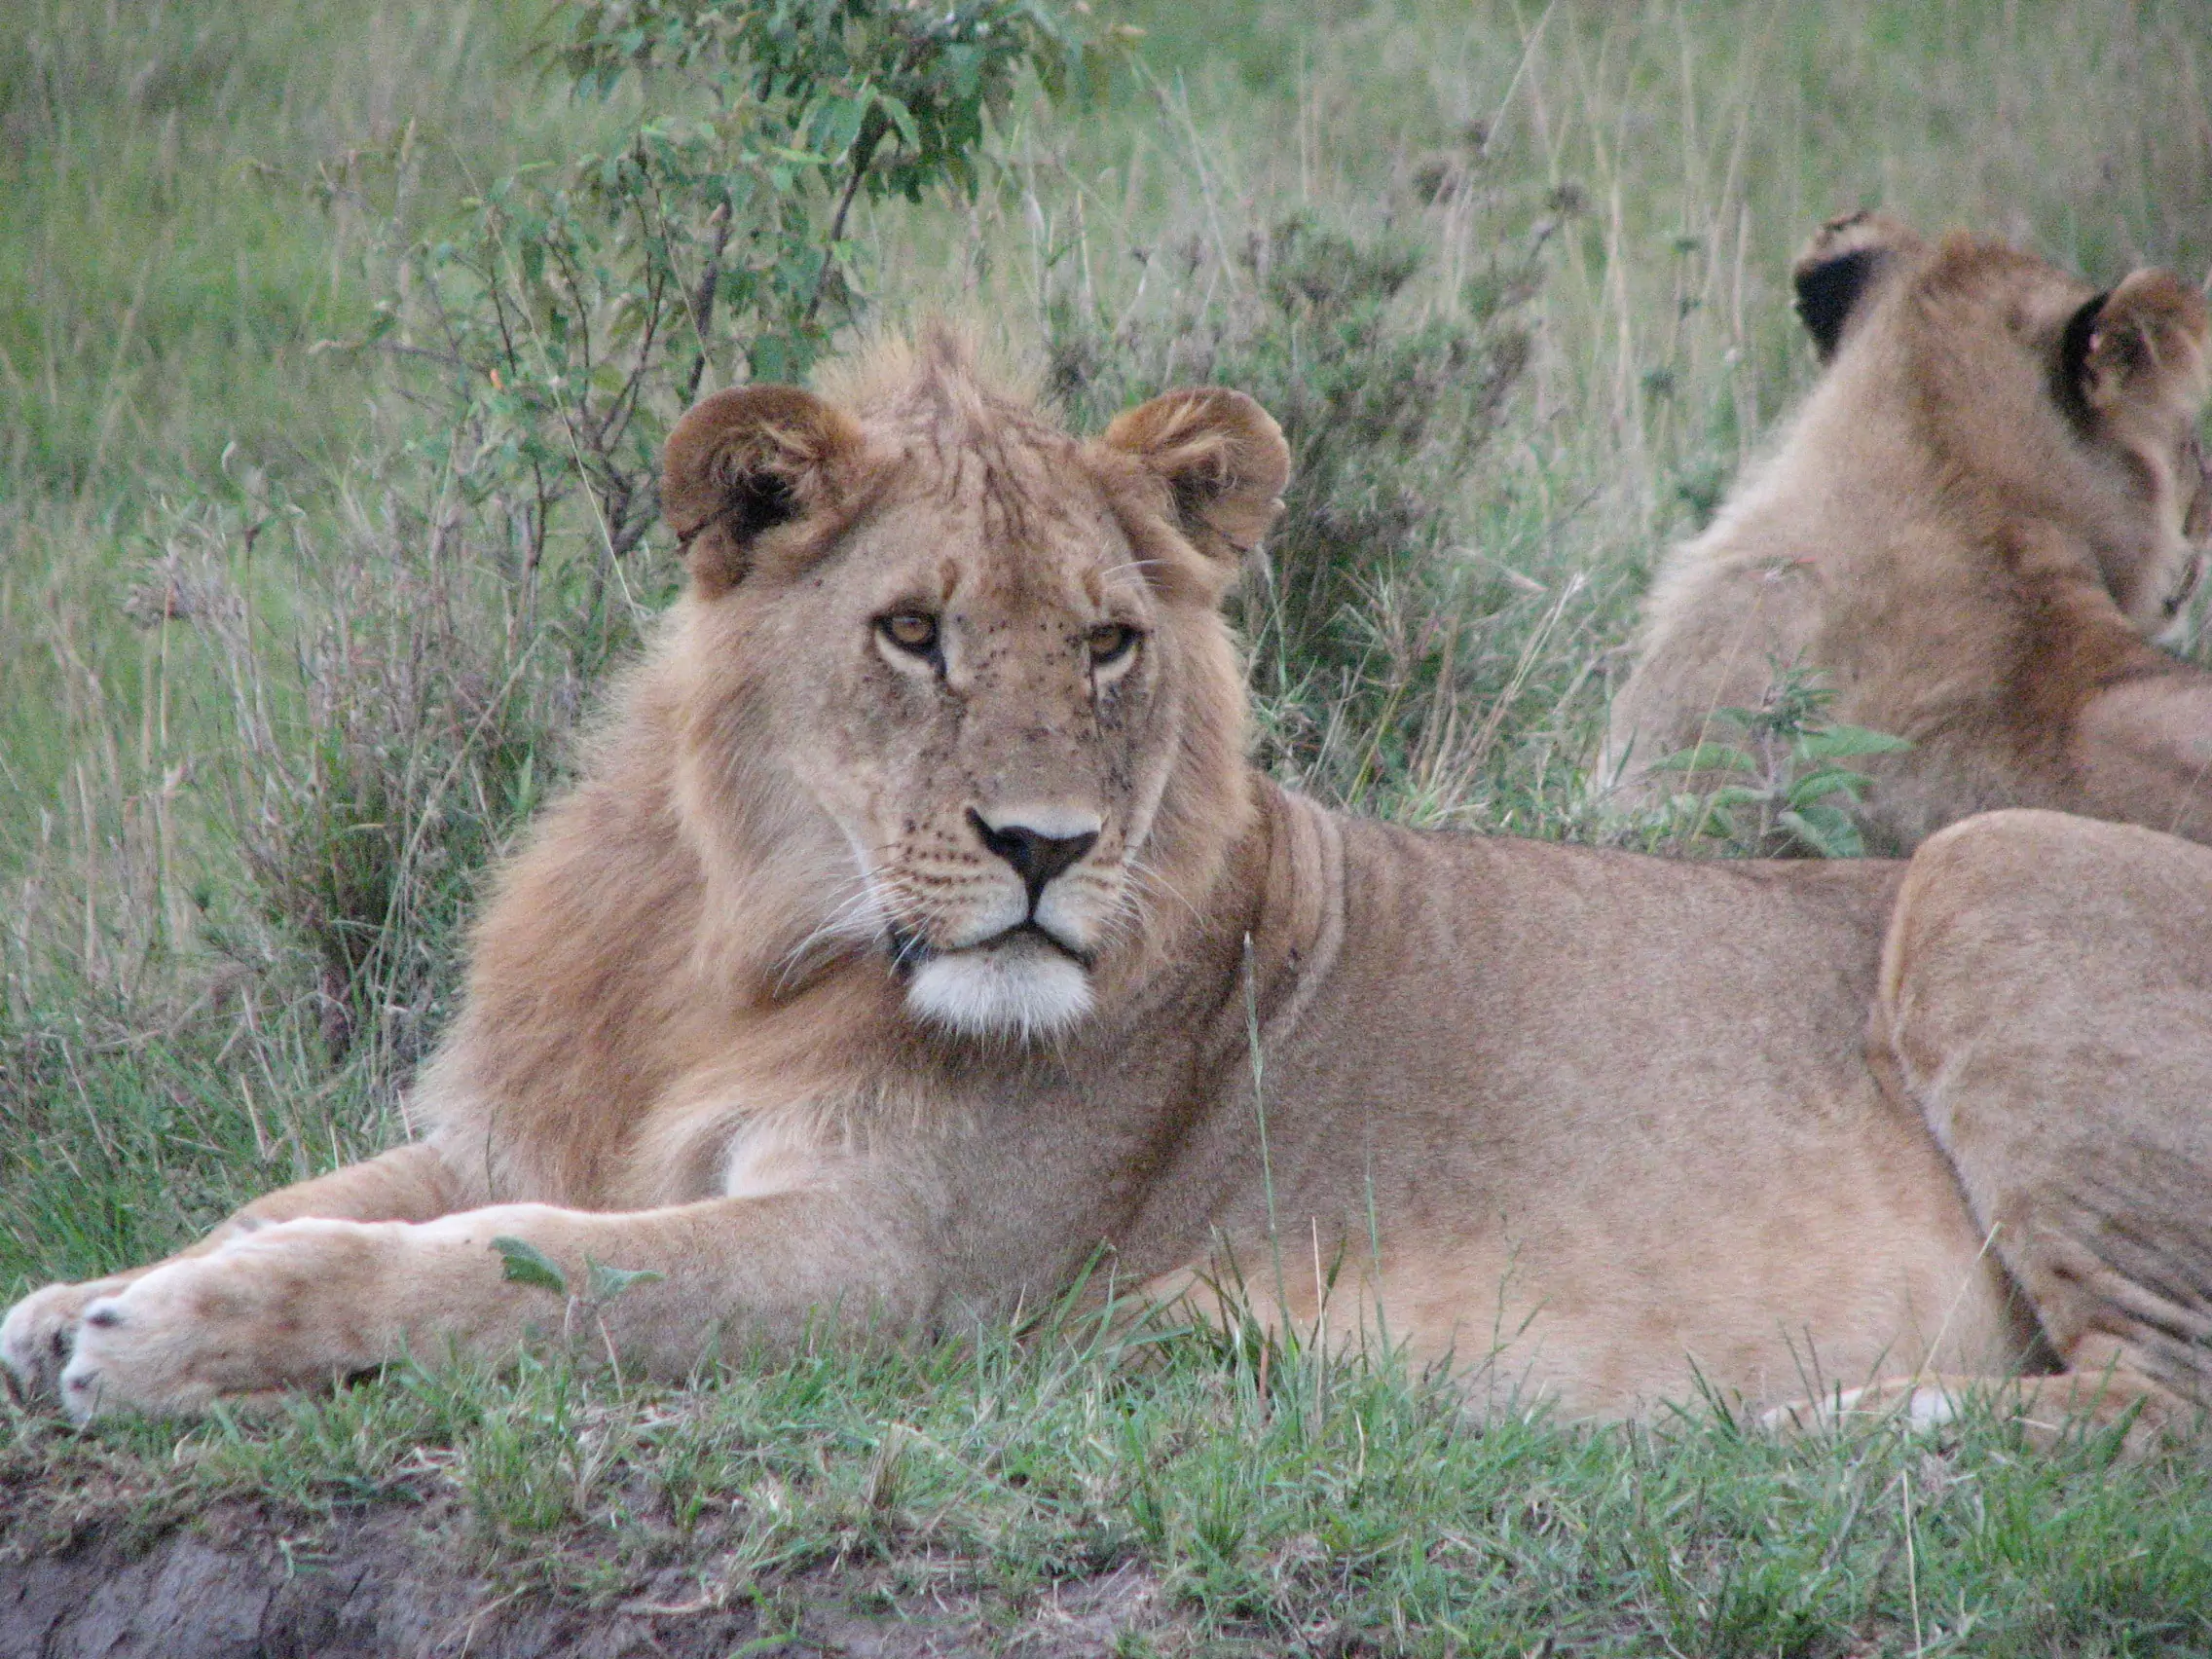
(410, 1183)
(304, 1301)
(40, 1330)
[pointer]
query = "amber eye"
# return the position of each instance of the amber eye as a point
(911, 631)
(1110, 642)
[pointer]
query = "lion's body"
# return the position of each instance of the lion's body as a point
(1603, 1129)
(1966, 539)
(1474, 1158)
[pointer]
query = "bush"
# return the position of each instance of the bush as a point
(586, 305)
(1385, 414)
(469, 592)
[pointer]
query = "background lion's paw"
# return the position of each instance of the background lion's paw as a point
(274, 1309)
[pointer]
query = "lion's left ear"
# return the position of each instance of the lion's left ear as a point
(1222, 457)
(1840, 271)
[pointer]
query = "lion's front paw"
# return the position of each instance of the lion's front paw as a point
(39, 1332)
(294, 1303)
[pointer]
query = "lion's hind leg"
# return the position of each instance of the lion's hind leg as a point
(2045, 1007)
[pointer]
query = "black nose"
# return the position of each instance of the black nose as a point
(1035, 858)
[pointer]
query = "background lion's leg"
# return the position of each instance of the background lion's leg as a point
(2143, 751)
(2046, 1006)
(409, 1183)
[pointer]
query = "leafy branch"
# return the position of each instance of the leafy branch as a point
(587, 303)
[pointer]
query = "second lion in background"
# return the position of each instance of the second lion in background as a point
(1989, 507)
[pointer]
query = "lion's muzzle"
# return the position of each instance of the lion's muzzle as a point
(1029, 975)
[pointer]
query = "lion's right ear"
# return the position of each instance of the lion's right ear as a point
(744, 460)
(1840, 269)
(1222, 457)
(2143, 348)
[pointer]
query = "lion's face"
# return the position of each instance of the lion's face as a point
(2093, 396)
(989, 717)
(949, 665)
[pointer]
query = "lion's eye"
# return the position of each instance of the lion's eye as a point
(1110, 642)
(911, 631)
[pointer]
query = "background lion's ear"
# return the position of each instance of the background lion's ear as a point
(743, 461)
(1222, 457)
(2142, 348)
(1838, 270)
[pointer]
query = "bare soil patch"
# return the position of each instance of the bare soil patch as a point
(238, 1582)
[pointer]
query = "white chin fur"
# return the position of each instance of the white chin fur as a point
(1001, 993)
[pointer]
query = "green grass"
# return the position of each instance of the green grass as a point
(1300, 1507)
(202, 202)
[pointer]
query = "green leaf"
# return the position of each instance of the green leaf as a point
(1825, 830)
(901, 118)
(1824, 781)
(838, 124)
(1729, 795)
(526, 1264)
(1840, 742)
(1751, 719)
(1696, 817)
(1707, 757)
(605, 1283)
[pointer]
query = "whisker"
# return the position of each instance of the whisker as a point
(838, 922)
(1139, 564)
(1153, 881)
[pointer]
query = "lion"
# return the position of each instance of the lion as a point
(919, 944)
(1990, 503)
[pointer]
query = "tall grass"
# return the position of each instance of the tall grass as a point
(270, 709)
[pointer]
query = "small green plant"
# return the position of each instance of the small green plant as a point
(524, 1263)
(1781, 787)
(587, 303)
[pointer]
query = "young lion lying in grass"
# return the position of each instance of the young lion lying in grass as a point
(918, 929)
(1991, 500)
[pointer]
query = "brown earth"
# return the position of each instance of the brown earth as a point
(236, 1583)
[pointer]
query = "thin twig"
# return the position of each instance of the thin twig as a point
(703, 299)
(863, 152)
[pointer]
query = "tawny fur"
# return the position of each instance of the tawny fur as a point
(1989, 503)
(1596, 1130)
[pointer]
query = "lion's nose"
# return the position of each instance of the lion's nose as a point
(1036, 854)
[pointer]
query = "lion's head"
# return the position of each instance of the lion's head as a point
(955, 688)
(2017, 370)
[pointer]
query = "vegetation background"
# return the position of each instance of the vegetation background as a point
(292, 648)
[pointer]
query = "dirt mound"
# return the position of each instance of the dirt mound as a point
(236, 1585)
